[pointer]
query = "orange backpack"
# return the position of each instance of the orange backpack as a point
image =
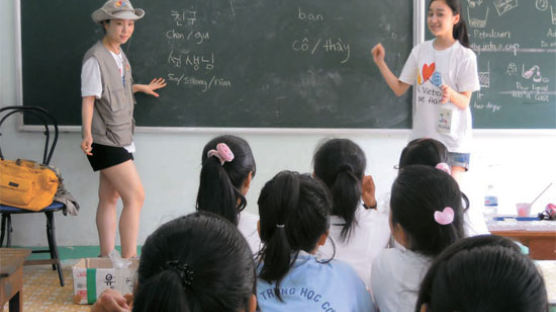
(26, 184)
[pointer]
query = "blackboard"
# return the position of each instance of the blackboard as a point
(515, 42)
(231, 63)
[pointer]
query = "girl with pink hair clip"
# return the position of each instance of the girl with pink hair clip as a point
(426, 216)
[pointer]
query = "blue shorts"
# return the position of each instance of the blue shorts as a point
(459, 160)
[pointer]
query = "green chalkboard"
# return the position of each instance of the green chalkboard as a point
(515, 42)
(231, 63)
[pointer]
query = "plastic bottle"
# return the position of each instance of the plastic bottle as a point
(490, 209)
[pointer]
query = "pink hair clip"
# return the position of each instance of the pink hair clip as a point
(444, 167)
(445, 216)
(222, 152)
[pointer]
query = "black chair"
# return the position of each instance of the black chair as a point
(6, 230)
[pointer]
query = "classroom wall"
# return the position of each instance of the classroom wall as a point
(519, 163)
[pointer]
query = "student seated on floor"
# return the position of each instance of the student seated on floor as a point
(195, 263)
(482, 273)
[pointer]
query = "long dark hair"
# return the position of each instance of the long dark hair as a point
(427, 152)
(460, 29)
(340, 164)
(483, 273)
(195, 263)
(417, 193)
(220, 184)
(293, 210)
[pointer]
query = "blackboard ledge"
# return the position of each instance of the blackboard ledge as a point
(170, 130)
(334, 131)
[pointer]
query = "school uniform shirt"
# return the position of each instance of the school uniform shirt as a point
(91, 81)
(396, 278)
(247, 226)
(314, 286)
(428, 68)
(369, 236)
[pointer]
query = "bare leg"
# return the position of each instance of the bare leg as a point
(125, 180)
(106, 215)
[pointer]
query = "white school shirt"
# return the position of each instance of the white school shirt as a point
(369, 236)
(396, 278)
(426, 68)
(247, 226)
(91, 82)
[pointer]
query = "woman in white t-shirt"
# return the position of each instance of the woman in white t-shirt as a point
(358, 230)
(444, 73)
(107, 114)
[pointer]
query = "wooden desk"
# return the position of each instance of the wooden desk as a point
(542, 244)
(11, 277)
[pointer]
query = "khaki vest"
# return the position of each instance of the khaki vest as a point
(113, 122)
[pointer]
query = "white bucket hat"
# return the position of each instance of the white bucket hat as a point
(117, 9)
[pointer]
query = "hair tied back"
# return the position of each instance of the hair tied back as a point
(444, 167)
(184, 271)
(445, 216)
(222, 152)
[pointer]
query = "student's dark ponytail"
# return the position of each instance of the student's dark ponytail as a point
(161, 292)
(293, 212)
(199, 262)
(460, 32)
(340, 164)
(220, 183)
(460, 29)
(346, 197)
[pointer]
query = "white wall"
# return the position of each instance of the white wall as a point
(169, 164)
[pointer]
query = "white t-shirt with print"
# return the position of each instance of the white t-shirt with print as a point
(91, 82)
(428, 68)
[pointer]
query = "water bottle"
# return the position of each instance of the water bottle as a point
(490, 208)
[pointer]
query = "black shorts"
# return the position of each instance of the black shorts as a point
(105, 156)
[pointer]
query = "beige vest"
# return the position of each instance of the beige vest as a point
(113, 122)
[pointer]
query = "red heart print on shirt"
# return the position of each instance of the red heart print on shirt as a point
(428, 70)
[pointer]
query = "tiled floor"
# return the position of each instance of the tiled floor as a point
(42, 291)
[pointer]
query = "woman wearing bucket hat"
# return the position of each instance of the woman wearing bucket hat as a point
(107, 114)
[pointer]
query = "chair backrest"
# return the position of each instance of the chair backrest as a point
(47, 120)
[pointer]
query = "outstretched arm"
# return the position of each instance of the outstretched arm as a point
(155, 84)
(393, 82)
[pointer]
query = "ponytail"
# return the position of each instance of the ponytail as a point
(199, 262)
(340, 164)
(346, 194)
(221, 179)
(460, 32)
(161, 292)
(278, 197)
(216, 192)
(293, 212)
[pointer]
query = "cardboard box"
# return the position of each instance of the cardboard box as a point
(91, 276)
